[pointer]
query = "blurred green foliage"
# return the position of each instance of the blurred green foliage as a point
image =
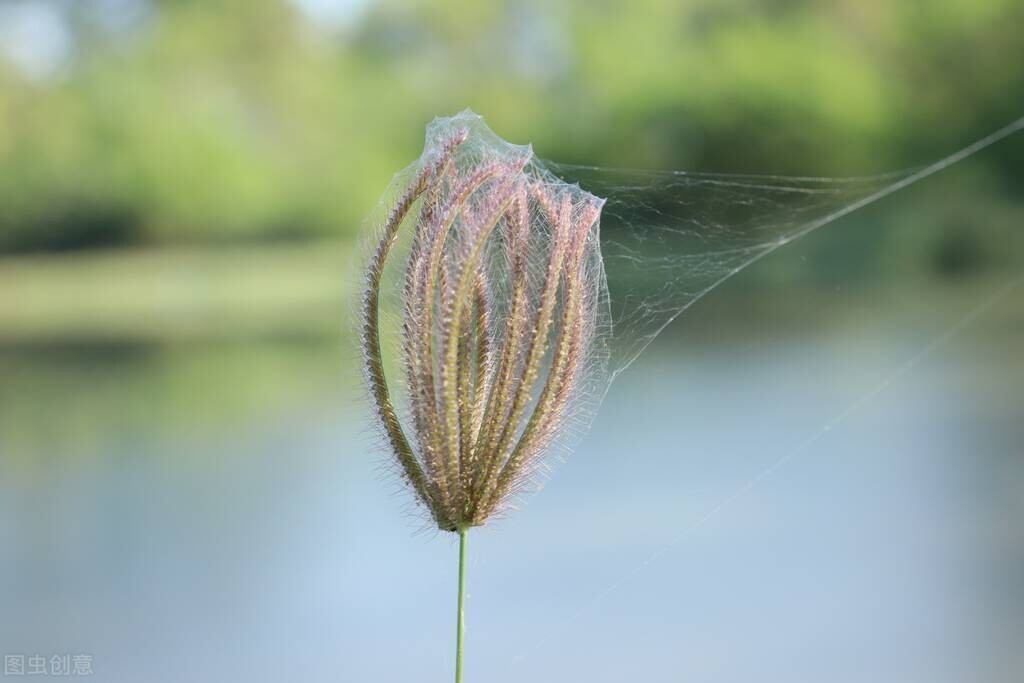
(195, 121)
(190, 123)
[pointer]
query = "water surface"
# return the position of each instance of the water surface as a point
(759, 501)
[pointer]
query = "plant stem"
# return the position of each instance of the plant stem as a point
(461, 627)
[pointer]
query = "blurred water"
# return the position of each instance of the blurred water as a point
(270, 547)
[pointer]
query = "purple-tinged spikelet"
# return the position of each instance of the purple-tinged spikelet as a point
(500, 313)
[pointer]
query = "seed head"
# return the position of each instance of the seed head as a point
(501, 299)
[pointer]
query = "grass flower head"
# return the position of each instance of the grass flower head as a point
(503, 301)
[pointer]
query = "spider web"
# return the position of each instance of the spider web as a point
(670, 238)
(664, 240)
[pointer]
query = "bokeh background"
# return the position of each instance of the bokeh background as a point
(815, 474)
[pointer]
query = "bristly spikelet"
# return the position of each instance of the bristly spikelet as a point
(501, 301)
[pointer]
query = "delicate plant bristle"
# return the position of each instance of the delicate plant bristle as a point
(498, 319)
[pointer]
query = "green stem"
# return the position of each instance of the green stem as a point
(460, 629)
